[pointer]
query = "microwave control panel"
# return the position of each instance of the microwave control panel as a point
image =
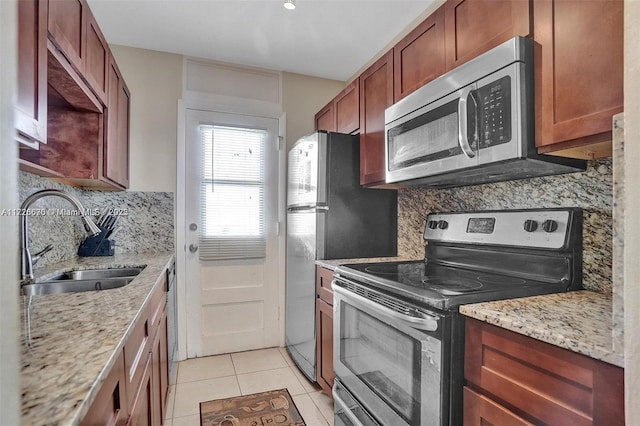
(494, 105)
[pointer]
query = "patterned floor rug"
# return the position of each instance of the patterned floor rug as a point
(258, 409)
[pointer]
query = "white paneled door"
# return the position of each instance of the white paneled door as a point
(232, 250)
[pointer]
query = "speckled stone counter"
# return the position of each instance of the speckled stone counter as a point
(580, 321)
(76, 338)
(334, 263)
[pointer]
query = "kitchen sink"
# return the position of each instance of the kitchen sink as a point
(73, 286)
(90, 274)
(83, 280)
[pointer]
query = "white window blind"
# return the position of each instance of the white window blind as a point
(232, 193)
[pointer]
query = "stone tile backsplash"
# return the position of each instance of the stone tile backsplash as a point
(591, 190)
(146, 227)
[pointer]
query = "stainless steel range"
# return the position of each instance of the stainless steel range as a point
(398, 335)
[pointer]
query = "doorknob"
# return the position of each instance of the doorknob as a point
(193, 227)
(193, 248)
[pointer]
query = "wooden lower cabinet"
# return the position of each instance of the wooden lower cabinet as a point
(480, 410)
(142, 406)
(324, 345)
(160, 371)
(148, 405)
(135, 392)
(110, 405)
(515, 379)
(324, 329)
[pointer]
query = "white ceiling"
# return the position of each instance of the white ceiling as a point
(324, 38)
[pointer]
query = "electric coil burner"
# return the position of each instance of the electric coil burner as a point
(398, 336)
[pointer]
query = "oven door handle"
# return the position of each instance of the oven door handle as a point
(463, 125)
(426, 323)
(340, 404)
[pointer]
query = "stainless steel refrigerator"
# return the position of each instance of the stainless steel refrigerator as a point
(329, 216)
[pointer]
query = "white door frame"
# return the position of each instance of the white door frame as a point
(225, 105)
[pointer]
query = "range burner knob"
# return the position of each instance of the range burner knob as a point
(432, 224)
(443, 224)
(530, 225)
(549, 225)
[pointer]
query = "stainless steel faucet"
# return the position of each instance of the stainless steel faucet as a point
(26, 261)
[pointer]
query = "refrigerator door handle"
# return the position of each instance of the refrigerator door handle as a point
(310, 208)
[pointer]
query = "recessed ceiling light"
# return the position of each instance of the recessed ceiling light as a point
(290, 4)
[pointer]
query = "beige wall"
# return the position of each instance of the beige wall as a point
(302, 97)
(632, 210)
(155, 81)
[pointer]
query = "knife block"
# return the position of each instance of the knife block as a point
(97, 245)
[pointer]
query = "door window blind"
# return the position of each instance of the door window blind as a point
(232, 193)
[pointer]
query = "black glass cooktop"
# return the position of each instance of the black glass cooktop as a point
(444, 286)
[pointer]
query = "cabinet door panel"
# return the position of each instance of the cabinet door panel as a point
(116, 150)
(97, 58)
(548, 383)
(347, 108)
(326, 118)
(31, 99)
(482, 411)
(420, 56)
(67, 26)
(141, 408)
(473, 27)
(109, 407)
(324, 345)
(579, 70)
(376, 94)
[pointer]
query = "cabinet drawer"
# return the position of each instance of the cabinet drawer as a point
(548, 383)
(323, 284)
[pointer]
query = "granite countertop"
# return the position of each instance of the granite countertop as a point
(77, 337)
(334, 263)
(580, 321)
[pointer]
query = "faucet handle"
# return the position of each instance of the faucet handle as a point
(36, 257)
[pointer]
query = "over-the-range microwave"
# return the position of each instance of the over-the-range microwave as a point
(474, 124)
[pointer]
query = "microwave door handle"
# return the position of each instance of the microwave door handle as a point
(463, 126)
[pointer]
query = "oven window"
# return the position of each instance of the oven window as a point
(385, 359)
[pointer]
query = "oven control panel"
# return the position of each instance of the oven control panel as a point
(537, 228)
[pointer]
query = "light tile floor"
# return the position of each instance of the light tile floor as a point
(243, 373)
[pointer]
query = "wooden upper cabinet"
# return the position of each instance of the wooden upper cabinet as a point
(67, 29)
(97, 58)
(347, 108)
(116, 148)
(420, 56)
(474, 27)
(579, 71)
(31, 99)
(342, 114)
(376, 94)
(326, 118)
